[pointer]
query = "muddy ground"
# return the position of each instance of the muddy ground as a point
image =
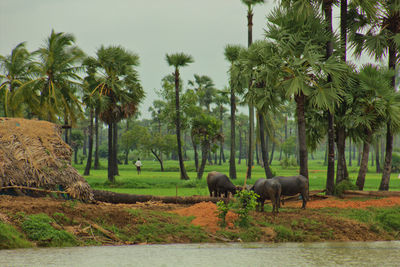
(315, 223)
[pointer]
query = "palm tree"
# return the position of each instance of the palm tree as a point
(232, 55)
(304, 67)
(204, 87)
(118, 85)
(57, 80)
(15, 70)
(379, 39)
(376, 104)
(250, 4)
(179, 60)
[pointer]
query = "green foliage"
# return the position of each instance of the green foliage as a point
(223, 209)
(38, 228)
(245, 202)
(344, 185)
(10, 238)
(288, 162)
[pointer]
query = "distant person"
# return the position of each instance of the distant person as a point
(138, 165)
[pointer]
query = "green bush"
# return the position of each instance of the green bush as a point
(245, 202)
(38, 228)
(344, 185)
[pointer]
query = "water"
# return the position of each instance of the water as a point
(242, 254)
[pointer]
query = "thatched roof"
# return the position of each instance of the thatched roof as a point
(33, 154)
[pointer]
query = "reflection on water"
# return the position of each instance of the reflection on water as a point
(242, 254)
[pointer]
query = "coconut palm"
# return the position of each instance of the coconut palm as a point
(379, 39)
(119, 87)
(232, 55)
(179, 60)
(205, 89)
(250, 4)
(15, 70)
(56, 79)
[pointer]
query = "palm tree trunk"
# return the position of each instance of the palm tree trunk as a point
(89, 159)
(250, 149)
(341, 162)
(387, 168)
(115, 147)
(96, 151)
(301, 126)
(232, 163)
(377, 161)
(330, 156)
(184, 175)
(251, 106)
(204, 154)
(327, 6)
(264, 152)
(364, 164)
(196, 154)
(240, 146)
(350, 151)
(111, 177)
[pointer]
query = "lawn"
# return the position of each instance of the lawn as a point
(168, 183)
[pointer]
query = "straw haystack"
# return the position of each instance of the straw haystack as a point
(32, 154)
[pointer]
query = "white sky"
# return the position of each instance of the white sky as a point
(201, 28)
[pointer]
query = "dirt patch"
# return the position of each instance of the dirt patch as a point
(348, 203)
(206, 215)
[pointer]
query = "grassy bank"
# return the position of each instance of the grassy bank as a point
(154, 182)
(45, 222)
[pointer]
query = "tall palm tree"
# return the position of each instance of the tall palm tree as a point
(304, 67)
(119, 87)
(15, 70)
(379, 39)
(57, 80)
(250, 4)
(232, 55)
(205, 89)
(179, 60)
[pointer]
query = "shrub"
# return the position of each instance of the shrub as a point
(223, 209)
(344, 185)
(245, 202)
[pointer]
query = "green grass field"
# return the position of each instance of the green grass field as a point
(168, 183)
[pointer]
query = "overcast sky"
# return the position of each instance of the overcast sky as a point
(201, 28)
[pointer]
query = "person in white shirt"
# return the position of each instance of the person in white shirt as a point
(138, 165)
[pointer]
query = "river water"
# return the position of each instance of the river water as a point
(231, 254)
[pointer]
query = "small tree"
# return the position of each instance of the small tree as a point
(207, 129)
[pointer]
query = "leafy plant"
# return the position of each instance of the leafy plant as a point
(245, 202)
(223, 209)
(344, 185)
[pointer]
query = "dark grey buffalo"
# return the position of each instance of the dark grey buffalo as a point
(293, 185)
(267, 189)
(218, 183)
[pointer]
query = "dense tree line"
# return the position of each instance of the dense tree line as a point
(302, 92)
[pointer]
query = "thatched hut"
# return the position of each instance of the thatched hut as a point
(32, 154)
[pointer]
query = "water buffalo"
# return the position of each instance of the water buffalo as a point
(219, 183)
(292, 185)
(267, 189)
